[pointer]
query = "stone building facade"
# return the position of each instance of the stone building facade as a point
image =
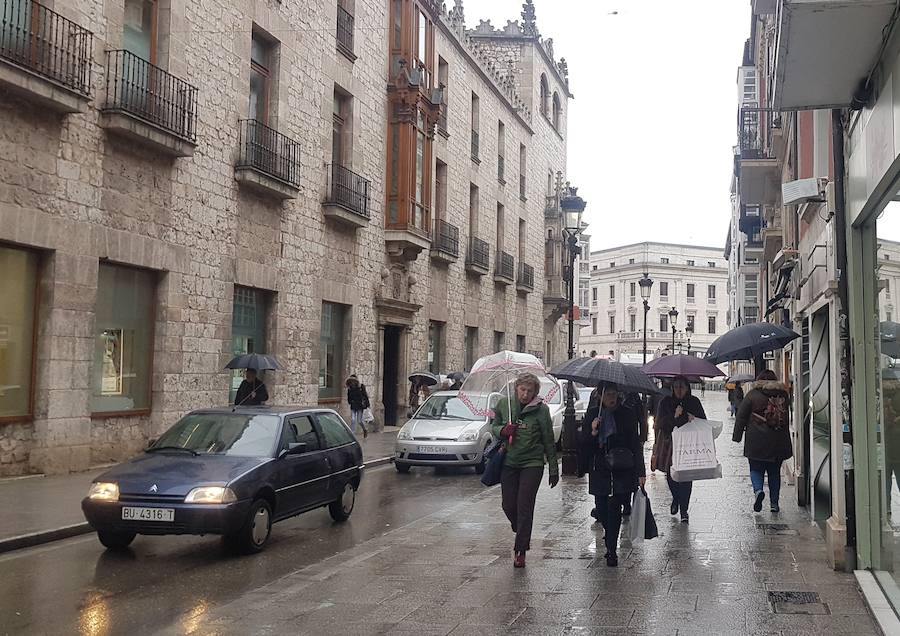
(180, 182)
(691, 279)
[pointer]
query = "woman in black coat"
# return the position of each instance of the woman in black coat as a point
(675, 411)
(612, 449)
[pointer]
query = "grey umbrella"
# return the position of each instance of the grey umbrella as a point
(257, 361)
(594, 372)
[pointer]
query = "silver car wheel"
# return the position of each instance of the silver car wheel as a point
(260, 530)
(348, 498)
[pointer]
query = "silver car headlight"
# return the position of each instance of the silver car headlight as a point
(104, 491)
(404, 434)
(468, 436)
(211, 495)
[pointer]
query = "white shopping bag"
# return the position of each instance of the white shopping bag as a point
(638, 517)
(694, 452)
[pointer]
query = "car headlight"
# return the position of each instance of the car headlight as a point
(404, 434)
(468, 436)
(104, 491)
(211, 495)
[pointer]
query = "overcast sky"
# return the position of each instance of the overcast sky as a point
(652, 125)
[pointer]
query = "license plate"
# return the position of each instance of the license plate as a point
(433, 450)
(148, 514)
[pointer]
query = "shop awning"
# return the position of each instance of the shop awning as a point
(825, 48)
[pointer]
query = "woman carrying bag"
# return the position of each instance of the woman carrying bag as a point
(616, 462)
(676, 411)
(524, 426)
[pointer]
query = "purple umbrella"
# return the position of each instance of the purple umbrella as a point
(688, 366)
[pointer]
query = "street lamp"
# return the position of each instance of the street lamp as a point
(673, 318)
(646, 284)
(572, 207)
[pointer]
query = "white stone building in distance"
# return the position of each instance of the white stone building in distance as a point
(692, 280)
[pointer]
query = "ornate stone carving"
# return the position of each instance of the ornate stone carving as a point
(529, 22)
(457, 15)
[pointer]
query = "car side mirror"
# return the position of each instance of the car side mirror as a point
(296, 448)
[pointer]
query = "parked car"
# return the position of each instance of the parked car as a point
(553, 392)
(229, 471)
(445, 432)
(581, 406)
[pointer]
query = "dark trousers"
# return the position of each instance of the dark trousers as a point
(609, 513)
(758, 471)
(681, 492)
(519, 487)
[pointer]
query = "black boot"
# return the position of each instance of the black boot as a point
(673, 509)
(612, 559)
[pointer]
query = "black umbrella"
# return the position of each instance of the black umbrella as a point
(596, 371)
(749, 341)
(740, 377)
(890, 339)
(423, 377)
(256, 361)
(457, 375)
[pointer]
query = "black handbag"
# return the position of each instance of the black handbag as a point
(619, 459)
(493, 467)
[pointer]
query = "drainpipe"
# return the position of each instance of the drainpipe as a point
(840, 249)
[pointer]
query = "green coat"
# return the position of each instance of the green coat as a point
(534, 437)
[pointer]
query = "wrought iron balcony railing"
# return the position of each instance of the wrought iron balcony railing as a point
(446, 238)
(42, 41)
(348, 190)
(344, 29)
(269, 152)
(526, 276)
(475, 145)
(754, 133)
(505, 266)
(479, 253)
(137, 87)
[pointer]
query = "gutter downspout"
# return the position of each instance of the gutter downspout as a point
(846, 370)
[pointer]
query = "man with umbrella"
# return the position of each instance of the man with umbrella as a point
(252, 391)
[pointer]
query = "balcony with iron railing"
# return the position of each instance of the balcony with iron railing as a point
(445, 242)
(146, 104)
(475, 146)
(344, 34)
(478, 257)
(268, 161)
(347, 197)
(44, 56)
(525, 279)
(504, 269)
(757, 165)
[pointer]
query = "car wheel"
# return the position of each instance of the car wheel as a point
(341, 507)
(254, 534)
(402, 468)
(115, 540)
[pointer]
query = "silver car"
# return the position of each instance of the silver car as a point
(443, 432)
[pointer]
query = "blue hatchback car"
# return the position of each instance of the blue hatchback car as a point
(230, 471)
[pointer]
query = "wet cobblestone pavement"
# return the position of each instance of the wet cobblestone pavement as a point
(451, 572)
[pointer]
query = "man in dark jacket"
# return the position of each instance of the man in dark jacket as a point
(252, 391)
(611, 446)
(764, 417)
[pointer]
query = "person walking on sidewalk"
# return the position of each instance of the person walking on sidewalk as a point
(764, 419)
(676, 411)
(616, 463)
(358, 399)
(524, 425)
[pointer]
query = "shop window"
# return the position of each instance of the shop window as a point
(471, 346)
(333, 349)
(248, 327)
(435, 346)
(18, 288)
(126, 297)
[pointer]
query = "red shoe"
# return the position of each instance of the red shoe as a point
(519, 561)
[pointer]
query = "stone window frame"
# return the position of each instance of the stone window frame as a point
(37, 305)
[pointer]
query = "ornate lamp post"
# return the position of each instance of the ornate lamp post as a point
(572, 207)
(646, 284)
(673, 318)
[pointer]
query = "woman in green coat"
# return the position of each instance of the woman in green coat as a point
(526, 430)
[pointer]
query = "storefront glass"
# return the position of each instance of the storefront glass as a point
(17, 289)
(248, 328)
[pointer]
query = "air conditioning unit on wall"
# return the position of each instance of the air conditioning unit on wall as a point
(803, 191)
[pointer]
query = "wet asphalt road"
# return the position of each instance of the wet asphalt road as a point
(76, 587)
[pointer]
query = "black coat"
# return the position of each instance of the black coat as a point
(357, 397)
(592, 456)
(666, 422)
(243, 393)
(763, 443)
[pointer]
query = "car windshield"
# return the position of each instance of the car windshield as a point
(444, 407)
(223, 434)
